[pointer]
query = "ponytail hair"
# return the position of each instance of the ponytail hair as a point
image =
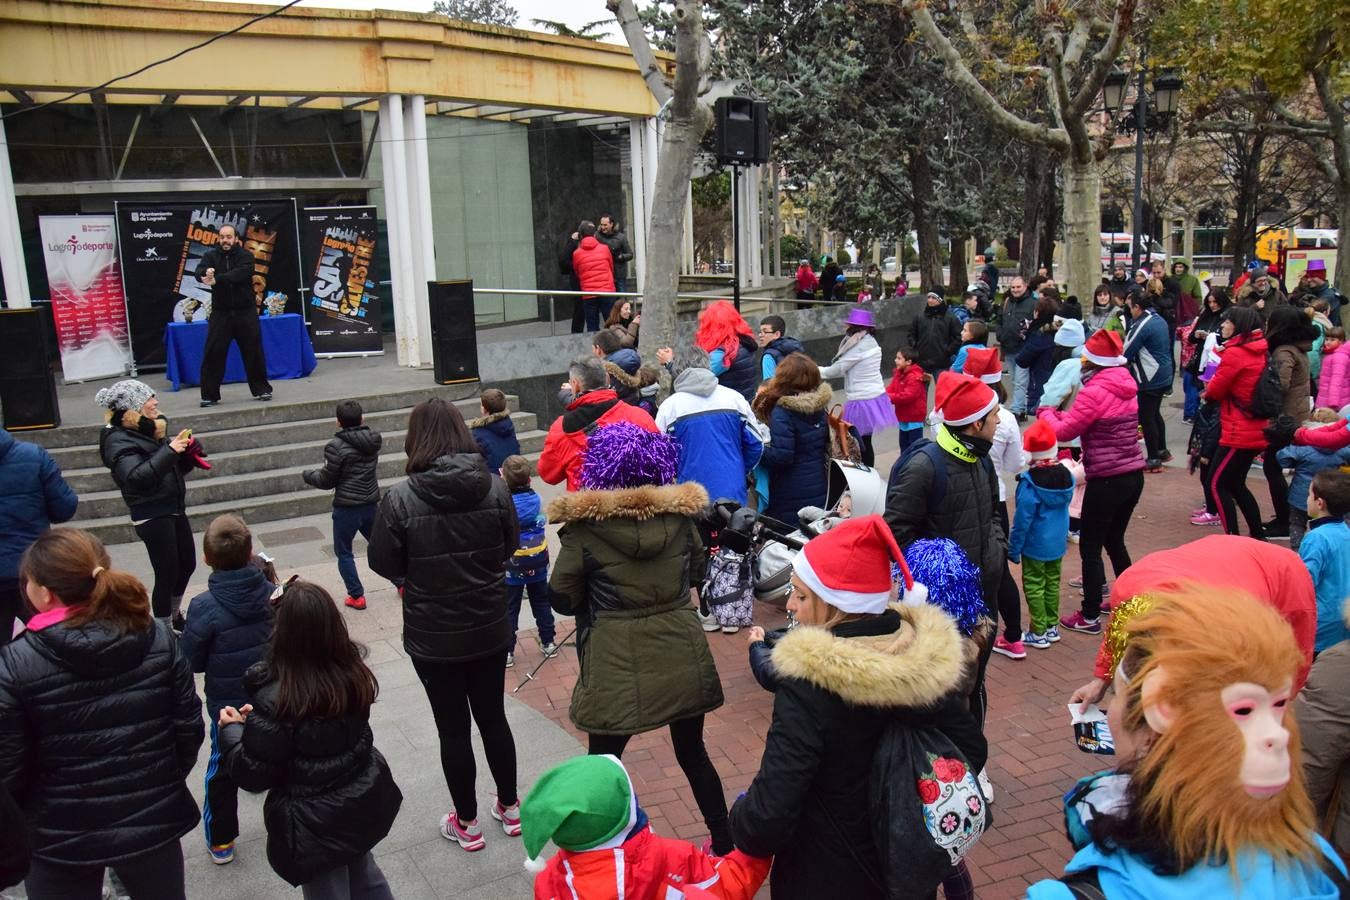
(74, 565)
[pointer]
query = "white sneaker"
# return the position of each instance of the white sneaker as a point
(730, 629)
(709, 623)
(986, 786)
(510, 660)
(549, 649)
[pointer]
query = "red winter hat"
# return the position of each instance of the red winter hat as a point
(1104, 348)
(849, 566)
(961, 399)
(1039, 441)
(984, 363)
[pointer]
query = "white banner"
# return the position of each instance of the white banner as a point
(88, 304)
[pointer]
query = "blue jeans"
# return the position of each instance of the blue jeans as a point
(1021, 381)
(594, 316)
(543, 613)
(909, 436)
(1190, 383)
(347, 521)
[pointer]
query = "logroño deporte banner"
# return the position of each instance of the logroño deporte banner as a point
(86, 292)
(161, 245)
(344, 317)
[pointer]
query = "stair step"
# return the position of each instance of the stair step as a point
(117, 528)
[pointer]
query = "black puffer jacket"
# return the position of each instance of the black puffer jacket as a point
(742, 375)
(98, 730)
(837, 693)
(144, 467)
(350, 460)
(228, 627)
(965, 515)
(331, 795)
(448, 532)
(934, 338)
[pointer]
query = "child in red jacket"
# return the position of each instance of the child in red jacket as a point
(587, 807)
(908, 391)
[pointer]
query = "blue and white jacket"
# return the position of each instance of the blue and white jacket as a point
(718, 437)
(1148, 351)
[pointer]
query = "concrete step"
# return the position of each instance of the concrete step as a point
(249, 414)
(94, 477)
(219, 436)
(116, 528)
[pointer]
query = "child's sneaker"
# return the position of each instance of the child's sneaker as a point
(1036, 641)
(1052, 634)
(730, 629)
(708, 622)
(549, 649)
(222, 853)
(1204, 518)
(1076, 622)
(510, 660)
(355, 602)
(509, 816)
(1010, 649)
(1073, 537)
(467, 834)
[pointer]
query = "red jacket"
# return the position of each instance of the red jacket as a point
(1240, 366)
(566, 440)
(593, 263)
(1328, 437)
(908, 394)
(647, 867)
(1269, 572)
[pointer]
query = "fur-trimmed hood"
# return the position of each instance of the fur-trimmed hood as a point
(619, 376)
(489, 419)
(916, 666)
(131, 421)
(640, 503)
(809, 402)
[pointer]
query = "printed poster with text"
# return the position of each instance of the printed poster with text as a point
(162, 244)
(344, 316)
(86, 291)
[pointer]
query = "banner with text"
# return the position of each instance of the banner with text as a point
(161, 245)
(344, 316)
(86, 291)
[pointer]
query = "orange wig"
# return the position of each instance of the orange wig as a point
(719, 327)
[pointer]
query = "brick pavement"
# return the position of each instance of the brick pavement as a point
(1032, 757)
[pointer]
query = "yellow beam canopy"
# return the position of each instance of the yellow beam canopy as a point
(54, 46)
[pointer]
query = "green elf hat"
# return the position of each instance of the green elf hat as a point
(586, 803)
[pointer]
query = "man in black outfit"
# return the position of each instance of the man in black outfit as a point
(228, 270)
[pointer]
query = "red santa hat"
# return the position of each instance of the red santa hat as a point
(984, 363)
(1039, 441)
(1104, 348)
(961, 399)
(849, 566)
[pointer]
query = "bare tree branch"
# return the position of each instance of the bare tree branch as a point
(1078, 38)
(1105, 58)
(625, 12)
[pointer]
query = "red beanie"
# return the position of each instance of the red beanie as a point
(961, 399)
(984, 363)
(849, 566)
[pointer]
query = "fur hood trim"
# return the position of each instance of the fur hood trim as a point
(484, 421)
(915, 667)
(646, 502)
(616, 373)
(131, 419)
(810, 402)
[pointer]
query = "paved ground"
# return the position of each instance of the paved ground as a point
(1032, 758)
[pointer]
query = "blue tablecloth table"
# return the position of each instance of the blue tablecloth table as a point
(286, 346)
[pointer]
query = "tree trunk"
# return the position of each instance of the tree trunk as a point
(1342, 274)
(1242, 234)
(922, 190)
(1033, 212)
(960, 274)
(1082, 226)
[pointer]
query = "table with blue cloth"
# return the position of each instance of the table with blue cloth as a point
(285, 341)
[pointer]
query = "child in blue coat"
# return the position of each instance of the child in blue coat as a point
(1306, 462)
(1326, 552)
(1040, 532)
(527, 569)
(494, 432)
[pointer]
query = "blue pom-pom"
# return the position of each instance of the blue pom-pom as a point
(953, 582)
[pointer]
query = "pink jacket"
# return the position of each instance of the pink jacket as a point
(1333, 386)
(1105, 414)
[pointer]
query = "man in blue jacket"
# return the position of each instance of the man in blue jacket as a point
(36, 497)
(1148, 352)
(718, 438)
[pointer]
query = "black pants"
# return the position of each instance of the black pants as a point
(220, 812)
(457, 692)
(173, 557)
(1207, 485)
(157, 875)
(869, 456)
(1279, 488)
(687, 737)
(13, 605)
(1009, 600)
(241, 327)
(1150, 417)
(1228, 477)
(1108, 504)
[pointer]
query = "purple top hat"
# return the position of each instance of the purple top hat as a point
(863, 317)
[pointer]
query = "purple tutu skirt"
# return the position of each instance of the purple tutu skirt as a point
(870, 416)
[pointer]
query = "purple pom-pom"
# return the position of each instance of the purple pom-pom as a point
(953, 582)
(624, 455)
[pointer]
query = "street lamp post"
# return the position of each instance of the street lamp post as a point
(1147, 115)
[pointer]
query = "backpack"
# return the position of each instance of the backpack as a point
(1268, 395)
(937, 491)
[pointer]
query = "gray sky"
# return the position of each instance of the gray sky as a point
(574, 12)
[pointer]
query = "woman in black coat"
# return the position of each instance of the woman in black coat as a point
(1038, 355)
(149, 469)
(100, 724)
(306, 740)
(793, 405)
(446, 533)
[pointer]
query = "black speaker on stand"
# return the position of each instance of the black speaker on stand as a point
(27, 383)
(454, 339)
(742, 131)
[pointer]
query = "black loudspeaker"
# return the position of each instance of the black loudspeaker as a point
(27, 384)
(742, 130)
(454, 340)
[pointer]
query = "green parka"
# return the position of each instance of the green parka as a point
(624, 570)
